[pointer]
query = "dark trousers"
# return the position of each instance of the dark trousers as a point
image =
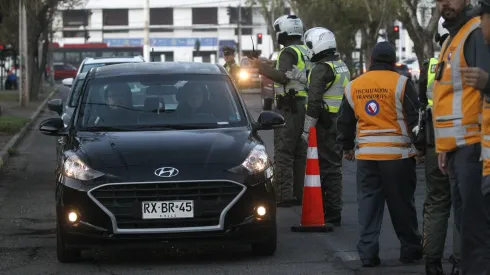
(290, 155)
(437, 210)
(330, 158)
(471, 210)
(393, 181)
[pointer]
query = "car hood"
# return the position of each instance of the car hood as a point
(165, 148)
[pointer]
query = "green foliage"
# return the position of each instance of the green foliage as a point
(12, 124)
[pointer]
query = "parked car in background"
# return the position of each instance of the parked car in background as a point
(249, 76)
(403, 70)
(267, 87)
(413, 67)
(90, 62)
(64, 70)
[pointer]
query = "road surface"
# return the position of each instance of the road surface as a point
(28, 242)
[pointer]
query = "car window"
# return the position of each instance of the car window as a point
(147, 102)
(59, 67)
(76, 93)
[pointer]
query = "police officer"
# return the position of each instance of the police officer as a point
(291, 96)
(384, 106)
(231, 66)
(437, 205)
(326, 82)
(457, 114)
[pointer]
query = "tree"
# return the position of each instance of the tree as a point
(40, 15)
(343, 25)
(422, 37)
(270, 10)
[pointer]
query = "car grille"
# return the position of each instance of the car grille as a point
(124, 202)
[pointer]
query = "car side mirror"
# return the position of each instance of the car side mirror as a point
(52, 127)
(270, 120)
(67, 82)
(56, 105)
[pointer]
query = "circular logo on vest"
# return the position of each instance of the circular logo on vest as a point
(372, 108)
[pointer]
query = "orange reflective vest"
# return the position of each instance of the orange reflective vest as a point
(377, 100)
(485, 127)
(457, 106)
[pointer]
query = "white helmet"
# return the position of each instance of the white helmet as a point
(442, 32)
(288, 25)
(319, 40)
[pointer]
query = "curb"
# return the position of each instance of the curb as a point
(14, 141)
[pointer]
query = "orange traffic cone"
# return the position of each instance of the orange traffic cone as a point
(312, 219)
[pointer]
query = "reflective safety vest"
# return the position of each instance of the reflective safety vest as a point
(335, 89)
(303, 64)
(457, 106)
(485, 144)
(431, 75)
(377, 100)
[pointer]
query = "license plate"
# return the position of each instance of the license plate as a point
(167, 209)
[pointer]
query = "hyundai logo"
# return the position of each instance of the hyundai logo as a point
(166, 172)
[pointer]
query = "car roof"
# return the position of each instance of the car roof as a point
(159, 68)
(136, 59)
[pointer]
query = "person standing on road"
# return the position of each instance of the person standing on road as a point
(457, 114)
(378, 112)
(291, 96)
(326, 83)
(437, 205)
(231, 66)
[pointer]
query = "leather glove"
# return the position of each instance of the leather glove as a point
(415, 130)
(297, 74)
(309, 123)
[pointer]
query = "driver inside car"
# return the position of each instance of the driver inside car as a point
(119, 108)
(193, 99)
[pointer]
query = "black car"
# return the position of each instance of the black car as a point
(135, 170)
(403, 70)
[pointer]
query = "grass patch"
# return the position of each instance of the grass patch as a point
(7, 96)
(12, 152)
(12, 124)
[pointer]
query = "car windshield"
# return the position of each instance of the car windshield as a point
(87, 67)
(76, 92)
(159, 102)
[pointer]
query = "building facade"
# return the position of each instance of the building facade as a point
(174, 27)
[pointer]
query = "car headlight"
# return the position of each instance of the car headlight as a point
(75, 168)
(243, 74)
(257, 161)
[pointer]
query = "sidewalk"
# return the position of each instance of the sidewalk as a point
(14, 119)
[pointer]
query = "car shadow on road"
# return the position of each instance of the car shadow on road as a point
(170, 256)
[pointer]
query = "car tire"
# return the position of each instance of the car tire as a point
(268, 247)
(64, 254)
(267, 104)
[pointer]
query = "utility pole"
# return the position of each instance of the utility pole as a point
(239, 25)
(50, 55)
(146, 45)
(23, 52)
(217, 45)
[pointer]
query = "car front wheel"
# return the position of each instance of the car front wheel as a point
(64, 254)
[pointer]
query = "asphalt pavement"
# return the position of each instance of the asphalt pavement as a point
(28, 241)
